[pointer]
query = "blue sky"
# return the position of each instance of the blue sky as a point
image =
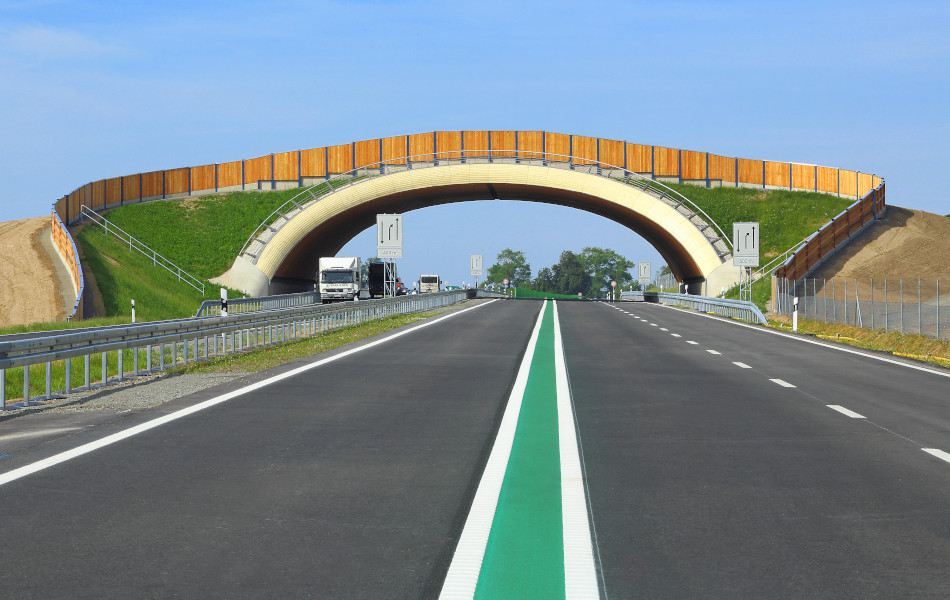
(100, 89)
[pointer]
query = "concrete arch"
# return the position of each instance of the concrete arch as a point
(288, 258)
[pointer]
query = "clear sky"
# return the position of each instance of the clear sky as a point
(90, 90)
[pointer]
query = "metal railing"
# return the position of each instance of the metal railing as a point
(734, 309)
(157, 259)
(212, 308)
(153, 347)
(719, 241)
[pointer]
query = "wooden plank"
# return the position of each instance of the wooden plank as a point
(828, 180)
(750, 171)
(611, 153)
(584, 150)
(152, 184)
(114, 190)
(558, 145)
(722, 168)
(313, 162)
(130, 188)
(448, 145)
(865, 184)
(639, 158)
(476, 143)
(422, 146)
(849, 182)
(98, 194)
(340, 159)
(176, 181)
(776, 174)
(367, 153)
(503, 143)
(693, 165)
(229, 174)
(202, 178)
(394, 150)
(667, 162)
(257, 169)
(530, 144)
(285, 167)
(803, 177)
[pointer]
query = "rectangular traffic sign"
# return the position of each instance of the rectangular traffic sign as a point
(389, 236)
(745, 244)
(475, 262)
(644, 272)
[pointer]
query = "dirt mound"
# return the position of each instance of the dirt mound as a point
(34, 283)
(904, 244)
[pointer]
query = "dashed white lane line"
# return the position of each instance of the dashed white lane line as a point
(663, 329)
(938, 453)
(845, 411)
(782, 383)
(653, 325)
(676, 335)
(742, 365)
(692, 342)
(713, 352)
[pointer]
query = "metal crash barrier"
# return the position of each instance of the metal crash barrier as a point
(734, 309)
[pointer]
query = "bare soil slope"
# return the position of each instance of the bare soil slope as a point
(34, 285)
(904, 244)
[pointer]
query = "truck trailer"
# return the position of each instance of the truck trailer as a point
(339, 278)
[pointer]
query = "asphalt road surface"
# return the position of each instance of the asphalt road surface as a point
(707, 474)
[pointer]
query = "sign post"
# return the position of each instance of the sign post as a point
(613, 286)
(475, 263)
(643, 274)
(388, 247)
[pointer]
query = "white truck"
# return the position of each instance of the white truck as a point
(429, 283)
(339, 278)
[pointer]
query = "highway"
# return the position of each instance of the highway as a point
(718, 461)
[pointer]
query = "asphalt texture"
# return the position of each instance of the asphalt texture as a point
(353, 479)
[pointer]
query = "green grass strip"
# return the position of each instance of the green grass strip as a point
(524, 557)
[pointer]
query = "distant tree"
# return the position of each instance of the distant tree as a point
(570, 276)
(544, 280)
(511, 265)
(604, 265)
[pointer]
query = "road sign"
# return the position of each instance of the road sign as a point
(613, 284)
(475, 261)
(745, 244)
(644, 273)
(505, 282)
(389, 236)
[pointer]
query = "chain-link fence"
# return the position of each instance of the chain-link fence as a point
(912, 306)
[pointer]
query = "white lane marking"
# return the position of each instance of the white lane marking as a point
(938, 453)
(713, 352)
(782, 383)
(653, 325)
(676, 335)
(692, 342)
(37, 433)
(742, 365)
(462, 577)
(580, 575)
(143, 427)
(845, 411)
(806, 340)
(663, 329)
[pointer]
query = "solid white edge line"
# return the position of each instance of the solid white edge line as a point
(938, 453)
(580, 575)
(845, 411)
(132, 431)
(763, 329)
(782, 383)
(462, 576)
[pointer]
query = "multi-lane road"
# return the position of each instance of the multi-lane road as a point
(711, 459)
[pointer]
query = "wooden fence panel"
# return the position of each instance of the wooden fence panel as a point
(639, 158)
(611, 153)
(693, 165)
(285, 167)
(98, 194)
(666, 162)
(803, 177)
(229, 174)
(340, 159)
(750, 171)
(722, 168)
(313, 162)
(257, 169)
(864, 184)
(152, 184)
(74, 203)
(202, 178)
(530, 144)
(776, 174)
(558, 144)
(422, 146)
(114, 190)
(395, 150)
(828, 180)
(130, 187)
(367, 153)
(448, 145)
(176, 181)
(476, 143)
(849, 182)
(503, 143)
(584, 150)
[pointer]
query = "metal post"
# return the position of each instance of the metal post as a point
(938, 309)
(3, 388)
(104, 368)
(919, 332)
(87, 370)
(121, 366)
(69, 375)
(49, 381)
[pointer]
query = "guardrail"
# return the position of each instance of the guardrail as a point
(212, 308)
(735, 309)
(164, 344)
(157, 259)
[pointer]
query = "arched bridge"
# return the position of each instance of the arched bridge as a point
(281, 255)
